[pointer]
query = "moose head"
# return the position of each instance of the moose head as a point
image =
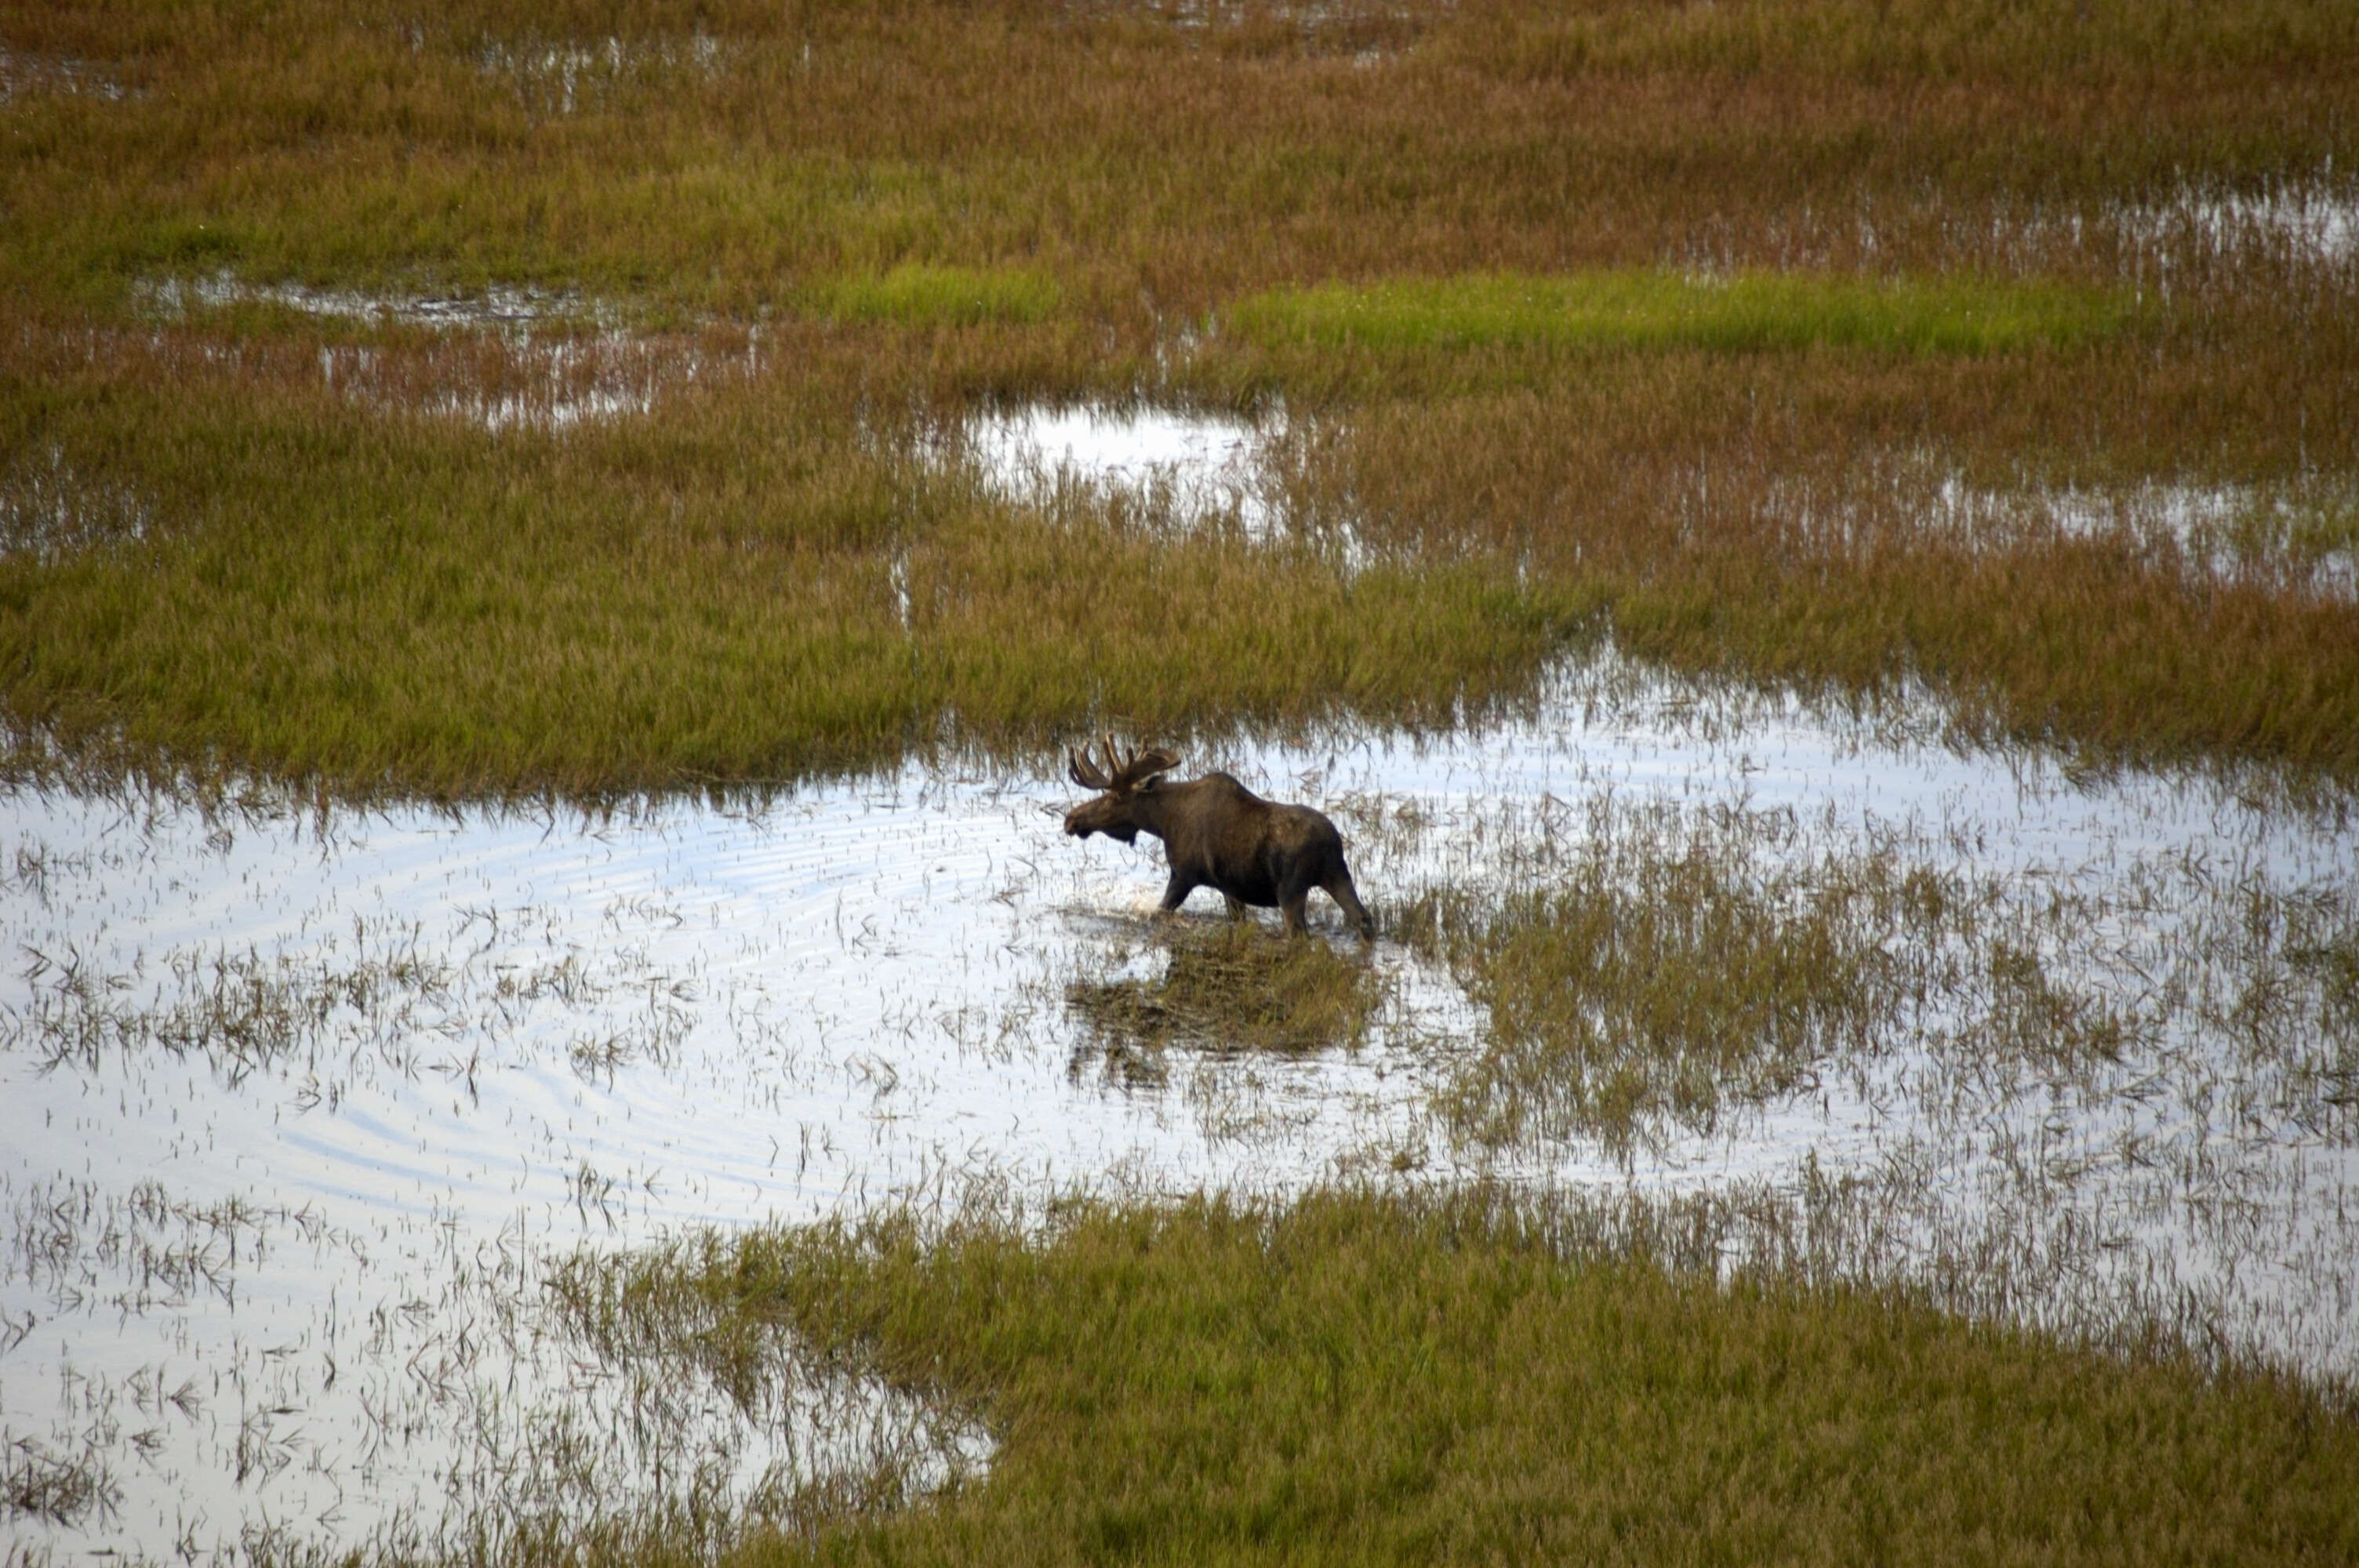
(1122, 778)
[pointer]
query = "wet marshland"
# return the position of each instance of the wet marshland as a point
(1825, 624)
(307, 1112)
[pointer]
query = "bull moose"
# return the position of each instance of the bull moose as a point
(1216, 833)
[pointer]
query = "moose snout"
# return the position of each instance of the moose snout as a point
(1092, 816)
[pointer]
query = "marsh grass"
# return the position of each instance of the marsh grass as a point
(727, 154)
(852, 1446)
(680, 557)
(1647, 975)
(1228, 987)
(465, 566)
(914, 295)
(724, 590)
(60, 1489)
(1721, 536)
(1749, 312)
(1353, 1377)
(1634, 989)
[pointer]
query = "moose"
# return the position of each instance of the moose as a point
(1216, 833)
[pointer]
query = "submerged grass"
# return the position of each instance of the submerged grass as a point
(1639, 986)
(1747, 312)
(1358, 1377)
(53, 1488)
(1647, 973)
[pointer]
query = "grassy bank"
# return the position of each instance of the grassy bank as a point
(1359, 1379)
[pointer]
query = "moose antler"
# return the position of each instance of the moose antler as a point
(1139, 766)
(1121, 772)
(1082, 772)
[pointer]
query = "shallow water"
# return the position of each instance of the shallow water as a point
(507, 358)
(1195, 469)
(298, 1112)
(49, 509)
(2316, 221)
(548, 385)
(558, 77)
(23, 74)
(1198, 463)
(1178, 468)
(2292, 540)
(501, 304)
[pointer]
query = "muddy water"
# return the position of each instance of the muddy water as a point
(295, 1112)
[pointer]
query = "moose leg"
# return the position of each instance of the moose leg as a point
(1175, 892)
(1347, 899)
(1236, 905)
(1293, 901)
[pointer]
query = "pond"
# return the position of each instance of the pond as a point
(301, 1108)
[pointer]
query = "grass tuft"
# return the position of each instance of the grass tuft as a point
(59, 1490)
(1637, 986)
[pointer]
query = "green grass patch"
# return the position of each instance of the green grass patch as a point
(1639, 308)
(914, 295)
(1358, 1378)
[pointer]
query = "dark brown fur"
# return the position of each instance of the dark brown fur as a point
(1218, 834)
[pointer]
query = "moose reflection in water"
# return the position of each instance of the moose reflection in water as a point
(1216, 833)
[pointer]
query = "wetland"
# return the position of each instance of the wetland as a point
(548, 558)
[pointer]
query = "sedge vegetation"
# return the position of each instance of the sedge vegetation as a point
(1355, 1378)
(1691, 326)
(1647, 974)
